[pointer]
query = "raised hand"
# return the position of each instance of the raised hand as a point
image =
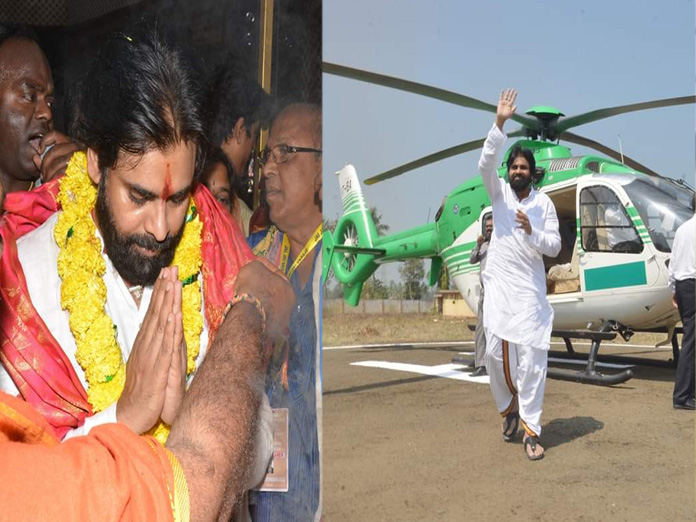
(480, 240)
(176, 380)
(506, 107)
(55, 161)
(147, 370)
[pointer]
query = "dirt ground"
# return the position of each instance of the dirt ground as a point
(390, 328)
(404, 446)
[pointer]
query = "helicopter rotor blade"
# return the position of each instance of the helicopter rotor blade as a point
(432, 158)
(599, 114)
(422, 90)
(629, 162)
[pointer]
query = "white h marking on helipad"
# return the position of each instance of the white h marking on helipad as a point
(448, 371)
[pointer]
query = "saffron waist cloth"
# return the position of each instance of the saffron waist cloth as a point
(111, 474)
(33, 358)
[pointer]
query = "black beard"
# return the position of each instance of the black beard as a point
(518, 185)
(133, 266)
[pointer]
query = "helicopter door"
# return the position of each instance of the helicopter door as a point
(611, 253)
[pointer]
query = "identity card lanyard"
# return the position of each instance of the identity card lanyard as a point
(309, 246)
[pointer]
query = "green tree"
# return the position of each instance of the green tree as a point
(329, 224)
(444, 281)
(412, 274)
(382, 228)
(374, 289)
(396, 289)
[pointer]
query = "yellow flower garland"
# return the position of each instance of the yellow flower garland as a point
(83, 293)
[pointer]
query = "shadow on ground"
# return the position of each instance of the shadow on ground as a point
(560, 431)
(378, 385)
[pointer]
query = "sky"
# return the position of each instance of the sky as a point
(575, 56)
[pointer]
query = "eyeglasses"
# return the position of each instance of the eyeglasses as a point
(281, 153)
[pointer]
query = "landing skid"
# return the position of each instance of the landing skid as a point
(607, 332)
(611, 327)
(590, 375)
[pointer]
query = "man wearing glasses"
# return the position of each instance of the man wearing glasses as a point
(292, 169)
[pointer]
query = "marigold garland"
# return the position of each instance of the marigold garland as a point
(83, 293)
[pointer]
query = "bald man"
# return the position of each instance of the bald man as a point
(30, 147)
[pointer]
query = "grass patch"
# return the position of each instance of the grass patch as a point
(354, 328)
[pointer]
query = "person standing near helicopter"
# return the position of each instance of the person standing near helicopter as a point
(478, 255)
(682, 271)
(517, 316)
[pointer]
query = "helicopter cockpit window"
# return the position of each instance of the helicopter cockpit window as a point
(663, 205)
(604, 223)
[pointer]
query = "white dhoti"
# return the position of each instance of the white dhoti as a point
(517, 371)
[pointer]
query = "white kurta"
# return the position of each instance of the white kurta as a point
(682, 264)
(515, 307)
(38, 255)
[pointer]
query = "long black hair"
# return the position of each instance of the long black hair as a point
(526, 154)
(141, 92)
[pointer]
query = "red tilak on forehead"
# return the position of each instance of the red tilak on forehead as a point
(167, 190)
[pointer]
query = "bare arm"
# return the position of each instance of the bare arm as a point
(215, 444)
(213, 433)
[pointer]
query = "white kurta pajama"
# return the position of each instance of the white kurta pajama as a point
(38, 255)
(517, 316)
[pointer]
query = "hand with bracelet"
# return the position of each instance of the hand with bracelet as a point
(263, 281)
(232, 376)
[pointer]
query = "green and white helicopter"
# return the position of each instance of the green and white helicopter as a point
(617, 220)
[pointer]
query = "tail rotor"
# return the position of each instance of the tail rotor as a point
(352, 253)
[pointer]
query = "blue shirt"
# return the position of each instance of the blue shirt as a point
(301, 501)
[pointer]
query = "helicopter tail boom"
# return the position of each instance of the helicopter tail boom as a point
(351, 254)
(355, 249)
